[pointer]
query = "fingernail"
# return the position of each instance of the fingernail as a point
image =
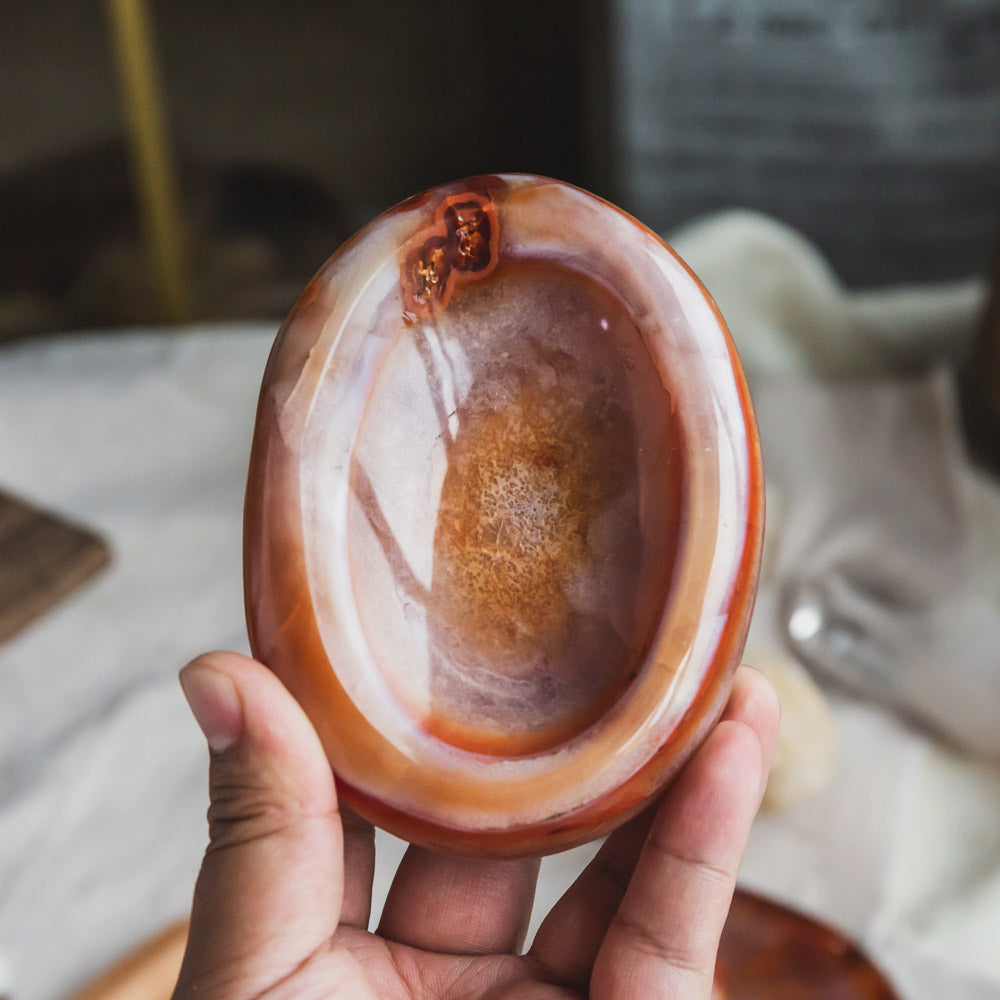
(214, 704)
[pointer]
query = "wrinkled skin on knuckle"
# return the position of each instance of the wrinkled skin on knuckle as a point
(245, 807)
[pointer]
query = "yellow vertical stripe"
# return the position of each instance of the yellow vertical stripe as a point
(155, 178)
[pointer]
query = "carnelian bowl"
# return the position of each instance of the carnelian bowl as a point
(503, 518)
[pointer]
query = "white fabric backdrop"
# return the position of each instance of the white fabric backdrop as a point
(144, 436)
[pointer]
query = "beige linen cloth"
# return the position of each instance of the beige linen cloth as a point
(882, 575)
(872, 563)
(878, 572)
(144, 436)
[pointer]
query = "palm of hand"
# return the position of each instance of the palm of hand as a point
(372, 968)
(454, 927)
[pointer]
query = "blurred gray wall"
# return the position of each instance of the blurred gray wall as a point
(871, 125)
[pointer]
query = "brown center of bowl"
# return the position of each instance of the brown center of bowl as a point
(511, 546)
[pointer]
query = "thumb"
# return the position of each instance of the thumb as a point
(271, 882)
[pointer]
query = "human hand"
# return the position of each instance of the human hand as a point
(283, 900)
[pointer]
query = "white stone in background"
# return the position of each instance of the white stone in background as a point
(791, 316)
(805, 754)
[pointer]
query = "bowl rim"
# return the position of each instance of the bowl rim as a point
(281, 614)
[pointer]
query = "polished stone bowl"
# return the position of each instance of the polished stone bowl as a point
(504, 512)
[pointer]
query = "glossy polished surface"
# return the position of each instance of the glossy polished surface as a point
(503, 515)
(769, 952)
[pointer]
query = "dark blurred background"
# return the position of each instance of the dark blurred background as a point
(873, 126)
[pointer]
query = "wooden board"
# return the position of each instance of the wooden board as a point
(148, 973)
(43, 558)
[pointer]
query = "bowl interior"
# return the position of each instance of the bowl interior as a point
(515, 492)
